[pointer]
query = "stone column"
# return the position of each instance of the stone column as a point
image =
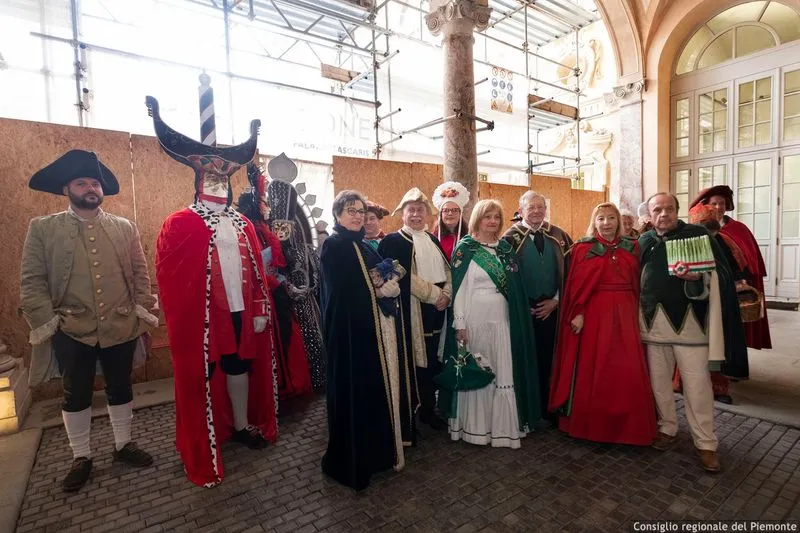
(456, 20)
(627, 182)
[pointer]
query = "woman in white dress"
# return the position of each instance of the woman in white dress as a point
(490, 315)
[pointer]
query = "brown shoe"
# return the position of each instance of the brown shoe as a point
(78, 474)
(663, 442)
(709, 460)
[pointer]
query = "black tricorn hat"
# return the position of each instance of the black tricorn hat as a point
(71, 166)
(198, 155)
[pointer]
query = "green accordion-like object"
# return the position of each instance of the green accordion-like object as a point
(690, 255)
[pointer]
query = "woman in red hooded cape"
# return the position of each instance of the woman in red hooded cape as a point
(721, 197)
(600, 384)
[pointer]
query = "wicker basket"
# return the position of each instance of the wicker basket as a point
(751, 305)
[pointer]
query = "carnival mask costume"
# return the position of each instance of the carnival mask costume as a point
(300, 275)
(218, 310)
(294, 378)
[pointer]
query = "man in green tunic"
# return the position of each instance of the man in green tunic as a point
(541, 250)
(691, 319)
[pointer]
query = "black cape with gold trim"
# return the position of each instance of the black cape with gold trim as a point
(361, 438)
(667, 291)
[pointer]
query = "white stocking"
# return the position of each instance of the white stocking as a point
(121, 418)
(237, 392)
(79, 426)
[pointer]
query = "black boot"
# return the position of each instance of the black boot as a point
(78, 474)
(252, 437)
(132, 455)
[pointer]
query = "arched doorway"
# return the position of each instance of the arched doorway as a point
(735, 120)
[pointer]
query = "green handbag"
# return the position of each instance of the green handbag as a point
(462, 372)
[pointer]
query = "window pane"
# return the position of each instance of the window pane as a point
(791, 105)
(721, 99)
(683, 199)
(706, 126)
(763, 111)
(721, 119)
(746, 173)
(683, 128)
(720, 175)
(790, 225)
(791, 129)
(721, 141)
(748, 12)
(744, 201)
(692, 50)
(791, 196)
(745, 136)
(682, 148)
(718, 51)
(706, 103)
(791, 169)
(746, 92)
(682, 108)
(682, 181)
(752, 39)
(763, 134)
(762, 200)
(763, 88)
(706, 144)
(745, 114)
(763, 172)
(791, 81)
(761, 226)
(784, 20)
(745, 219)
(705, 177)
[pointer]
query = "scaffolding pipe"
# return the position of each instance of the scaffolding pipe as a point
(489, 123)
(578, 89)
(73, 4)
(199, 68)
(556, 156)
(375, 94)
(366, 73)
(431, 123)
(525, 46)
(534, 165)
(484, 80)
(483, 153)
(396, 111)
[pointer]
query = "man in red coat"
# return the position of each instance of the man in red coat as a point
(721, 198)
(217, 306)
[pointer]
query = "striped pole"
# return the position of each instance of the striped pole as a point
(208, 127)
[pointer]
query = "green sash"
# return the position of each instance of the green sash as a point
(490, 263)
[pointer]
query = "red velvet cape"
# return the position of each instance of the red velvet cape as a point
(181, 269)
(756, 333)
(600, 383)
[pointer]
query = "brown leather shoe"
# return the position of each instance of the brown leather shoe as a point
(709, 460)
(663, 442)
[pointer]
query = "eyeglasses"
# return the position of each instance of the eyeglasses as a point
(353, 212)
(451, 211)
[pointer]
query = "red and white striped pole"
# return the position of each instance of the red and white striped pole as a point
(208, 127)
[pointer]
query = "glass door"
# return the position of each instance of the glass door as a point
(754, 203)
(680, 188)
(787, 284)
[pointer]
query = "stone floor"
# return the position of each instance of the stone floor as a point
(552, 484)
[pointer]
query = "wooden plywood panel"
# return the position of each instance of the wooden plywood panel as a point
(384, 182)
(507, 195)
(583, 203)
(559, 192)
(25, 147)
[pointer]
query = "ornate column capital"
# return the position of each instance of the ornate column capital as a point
(447, 11)
(625, 94)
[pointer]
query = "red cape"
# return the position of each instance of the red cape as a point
(189, 292)
(600, 384)
(757, 333)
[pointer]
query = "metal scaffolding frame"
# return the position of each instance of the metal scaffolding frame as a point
(349, 36)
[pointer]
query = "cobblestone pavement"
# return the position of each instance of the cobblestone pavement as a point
(552, 484)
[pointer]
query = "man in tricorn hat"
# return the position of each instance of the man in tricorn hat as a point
(85, 293)
(721, 198)
(424, 296)
(218, 310)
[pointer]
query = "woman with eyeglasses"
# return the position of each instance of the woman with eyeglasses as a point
(364, 394)
(450, 198)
